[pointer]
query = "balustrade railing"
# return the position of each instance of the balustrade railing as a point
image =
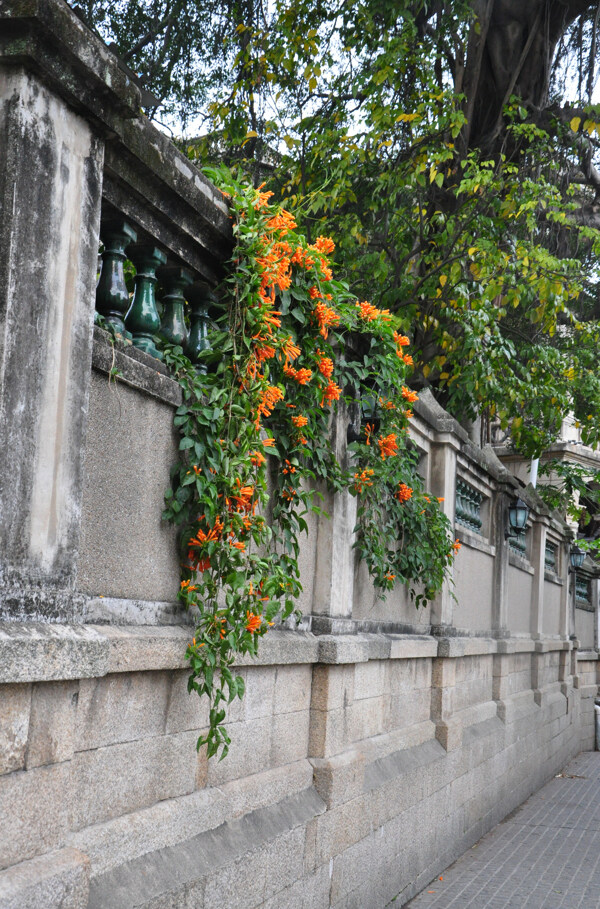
(583, 595)
(468, 506)
(518, 543)
(550, 563)
(168, 301)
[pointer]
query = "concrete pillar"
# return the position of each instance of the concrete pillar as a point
(567, 615)
(538, 559)
(333, 588)
(50, 191)
(443, 485)
(500, 591)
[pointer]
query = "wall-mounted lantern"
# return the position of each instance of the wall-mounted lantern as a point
(518, 512)
(576, 557)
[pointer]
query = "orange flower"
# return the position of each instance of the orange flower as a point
(404, 492)
(388, 446)
(369, 312)
(264, 352)
(401, 340)
(290, 350)
(283, 222)
(243, 497)
(257, 458)
(214, 534)
(390, 577)
(270, 396)
(409, 395)
(325, 245)
(238, 545)
(288, 467)
(303, 376)
(325, 366)
(408, 359)
(299, 421)
(456, 546)
(188, 586)
(253, 622)
(268, 443)
(314, 292)
(331, 393)
(369, 429)
(326, 271)
(326, 318)
(362, 479)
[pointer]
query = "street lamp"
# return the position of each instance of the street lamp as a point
(518, 512)
(576, 557)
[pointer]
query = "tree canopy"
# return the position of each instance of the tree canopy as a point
(447, 147)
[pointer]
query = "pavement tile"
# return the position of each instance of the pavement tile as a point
(545, 855)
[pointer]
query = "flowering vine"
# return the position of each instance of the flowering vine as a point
(292, 344)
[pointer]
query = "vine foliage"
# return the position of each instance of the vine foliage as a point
(291, 344)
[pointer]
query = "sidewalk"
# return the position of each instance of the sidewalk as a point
(545, 855)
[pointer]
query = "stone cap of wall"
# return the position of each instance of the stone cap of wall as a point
(146, 178)
(35, 651)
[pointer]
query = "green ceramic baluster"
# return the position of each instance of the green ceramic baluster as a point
(174, 280)
(143, 320)
(201, 300)
(112, 296)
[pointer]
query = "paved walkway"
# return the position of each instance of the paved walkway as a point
(546, 855)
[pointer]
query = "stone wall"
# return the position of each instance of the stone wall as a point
(361, 765)
(375, 742)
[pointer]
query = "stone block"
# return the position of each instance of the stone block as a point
(369, 679)
(282, 647)
(137, 833)
(443, 673)
(36, 811)
(121, 707)
(250, 752)
(408, 647)
(332, 687)
(343, 648)
(260, 790)
(328, 732)
(52, 723)
(407, 709)
(258, 696)
(274, 866)
(116, 779)
(449, 734)
(340, 778)
(289, 741)
(185, 710)
(311, 892)
(59, 880)
(292, 689)
(31, 652)
(341, 827)
(136, 649)
(15, 706)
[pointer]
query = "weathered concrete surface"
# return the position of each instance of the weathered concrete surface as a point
(127, 551)
(49, 218)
